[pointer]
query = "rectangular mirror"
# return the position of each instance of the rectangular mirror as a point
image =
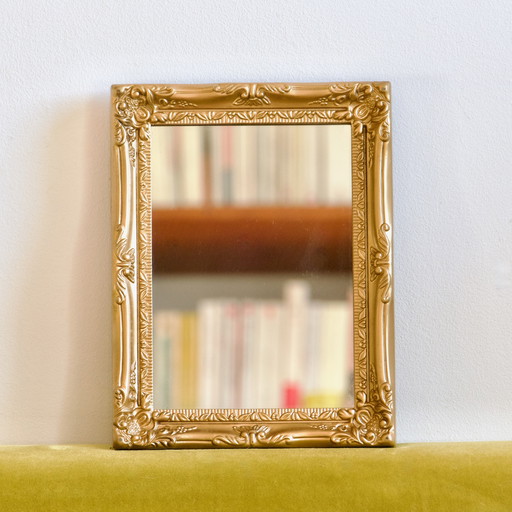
(252, 266)
(252, 273)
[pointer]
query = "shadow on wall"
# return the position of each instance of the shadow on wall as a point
(87, 400)
(63, 308)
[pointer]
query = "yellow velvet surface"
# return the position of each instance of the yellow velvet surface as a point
(416, 477)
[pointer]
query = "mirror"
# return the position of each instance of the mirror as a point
(252, 265)
(252, 273)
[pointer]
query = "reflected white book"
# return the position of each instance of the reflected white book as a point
(266, 165)
(333, 370)
(192, 166)
(310, 162)
(338, 165)
(227, 342)
(270, 354)
(241, 165)
(250, 339)
(296, 305)
(312, 353)
(215, 134)
(208, 320)
(162, 185)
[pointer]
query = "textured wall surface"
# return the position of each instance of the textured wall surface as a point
(450, 68)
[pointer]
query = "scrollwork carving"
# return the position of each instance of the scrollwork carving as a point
(245, 116)
(359, 265)
(368, 424)
(135, 105)
(253, 436)
(362, 104)
(125, 265)
(241, 415)
(133, 423)
(251, 94)
(380, 264)
(144, 253)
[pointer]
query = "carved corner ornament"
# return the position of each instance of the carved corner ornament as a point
(366, 107)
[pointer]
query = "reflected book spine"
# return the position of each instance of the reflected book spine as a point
(328, 368)
(176, 355)
(161, 361)
(249, 354)
(206, 329)
(161, 177)
(238, 356)
(215, 156)
(193, 167)
(339, 157)
(227, 377)
(270, 353)
(296, 299)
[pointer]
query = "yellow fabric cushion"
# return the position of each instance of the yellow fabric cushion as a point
(416, 477)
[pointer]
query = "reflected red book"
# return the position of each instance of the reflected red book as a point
(292, 396)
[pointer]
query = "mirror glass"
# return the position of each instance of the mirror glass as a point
(252, 266)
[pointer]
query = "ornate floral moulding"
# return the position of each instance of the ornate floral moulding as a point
(366, 106)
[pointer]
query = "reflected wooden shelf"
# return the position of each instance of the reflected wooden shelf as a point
(252, 239)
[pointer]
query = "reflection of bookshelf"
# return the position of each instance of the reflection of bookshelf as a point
(244, 353)
(252, 239)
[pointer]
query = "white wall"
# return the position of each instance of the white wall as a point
(450, 67)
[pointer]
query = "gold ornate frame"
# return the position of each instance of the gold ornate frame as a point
(366, 106)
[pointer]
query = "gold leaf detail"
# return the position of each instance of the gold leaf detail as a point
(125, 265)
(368, 424)
(134, 427)
(165, 437)
(251, 94)
(144, 253)
(380, 264)
(250, 436)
